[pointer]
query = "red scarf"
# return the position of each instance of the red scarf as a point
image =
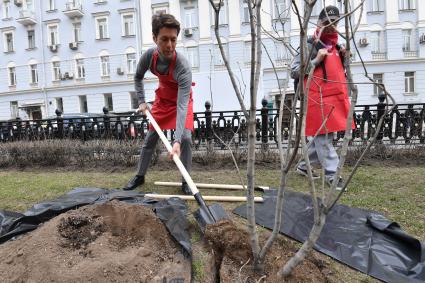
(326, 38)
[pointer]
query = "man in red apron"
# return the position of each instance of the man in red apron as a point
(173, 105)
(328, 96)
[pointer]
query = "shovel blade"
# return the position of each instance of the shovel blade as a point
(207, 215)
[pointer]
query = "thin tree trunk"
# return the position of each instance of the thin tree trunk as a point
(255, 58)
(283, 160)
(223, 55)
(305, 248)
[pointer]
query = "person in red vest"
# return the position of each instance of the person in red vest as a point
(327, 96)
(173, 105)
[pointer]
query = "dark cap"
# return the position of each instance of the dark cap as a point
(332, 13)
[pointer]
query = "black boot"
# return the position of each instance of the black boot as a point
(185, 189)
(134, 183)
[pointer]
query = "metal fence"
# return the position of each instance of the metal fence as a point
(403, 126)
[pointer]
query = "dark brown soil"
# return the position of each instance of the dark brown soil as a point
(112, 242)
(119, 242)
(233, 257)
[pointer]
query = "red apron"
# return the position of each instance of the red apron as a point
(334, 98)
(164, 108)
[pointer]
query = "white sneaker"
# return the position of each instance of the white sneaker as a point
(304, 173)
(339, 185)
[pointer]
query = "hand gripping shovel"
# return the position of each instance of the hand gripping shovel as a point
(205, 215)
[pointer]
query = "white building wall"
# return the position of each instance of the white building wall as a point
(211, 83)
(93, 85)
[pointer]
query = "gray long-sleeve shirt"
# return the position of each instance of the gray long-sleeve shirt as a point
(296, 63)
(182, 75)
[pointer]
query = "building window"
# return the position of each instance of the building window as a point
(104, 62)
(245, 11)
(6, 9)
(131, 63)
(34, 73)
(50, 5)
(377, 41)
(406, 4)
(73, 4)
(281, 55)
(83, 104)
(8, 42)
(134, 100)
(109, 103)
(56, 69)
(79, 64)
(247, 51)
(29, 5)
(282, 83)
(222, 18)
(409, 82)
(52, 35)
(218, 59)
(76, 27)
(128, 25)
(159, 9)
(14, 110)
(59, 104)
(190, 17)
(408, 40)
(102, 28)
(193, 57)
(31, 39)
(317, 8)
(376, 5)
(12, 76)
(378, 78)
(279, 7)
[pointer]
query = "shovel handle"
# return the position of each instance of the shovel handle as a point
(176, 159)
(213, 198)
(213, 186)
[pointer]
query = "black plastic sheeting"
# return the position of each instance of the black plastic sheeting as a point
(362, 239)
(172, 212)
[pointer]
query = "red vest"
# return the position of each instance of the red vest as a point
(334, 100)
(164, 108)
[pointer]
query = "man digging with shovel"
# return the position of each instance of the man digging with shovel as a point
(173, 105)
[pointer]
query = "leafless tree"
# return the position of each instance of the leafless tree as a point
(322, 204)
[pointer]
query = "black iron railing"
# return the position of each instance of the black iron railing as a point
(404, 125)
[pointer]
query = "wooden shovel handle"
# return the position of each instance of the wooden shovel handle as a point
(211, 198)
(176, 159)
(211, 186)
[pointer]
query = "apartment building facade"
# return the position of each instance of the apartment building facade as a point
(75, 56)
(391, 41)
(79, 59)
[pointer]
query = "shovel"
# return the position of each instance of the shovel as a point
(205, 215)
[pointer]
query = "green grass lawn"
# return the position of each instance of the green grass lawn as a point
(396, 192)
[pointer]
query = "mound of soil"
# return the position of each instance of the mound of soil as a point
(111, 242)
(233, 257)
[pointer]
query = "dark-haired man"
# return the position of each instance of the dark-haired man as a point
(173, 105)
(327, 96)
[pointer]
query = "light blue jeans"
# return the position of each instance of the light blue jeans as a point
(321, 151)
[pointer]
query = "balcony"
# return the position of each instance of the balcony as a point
(281, 62)
(73, 10)
(378, 55)
(410, 53)
(26, 18)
